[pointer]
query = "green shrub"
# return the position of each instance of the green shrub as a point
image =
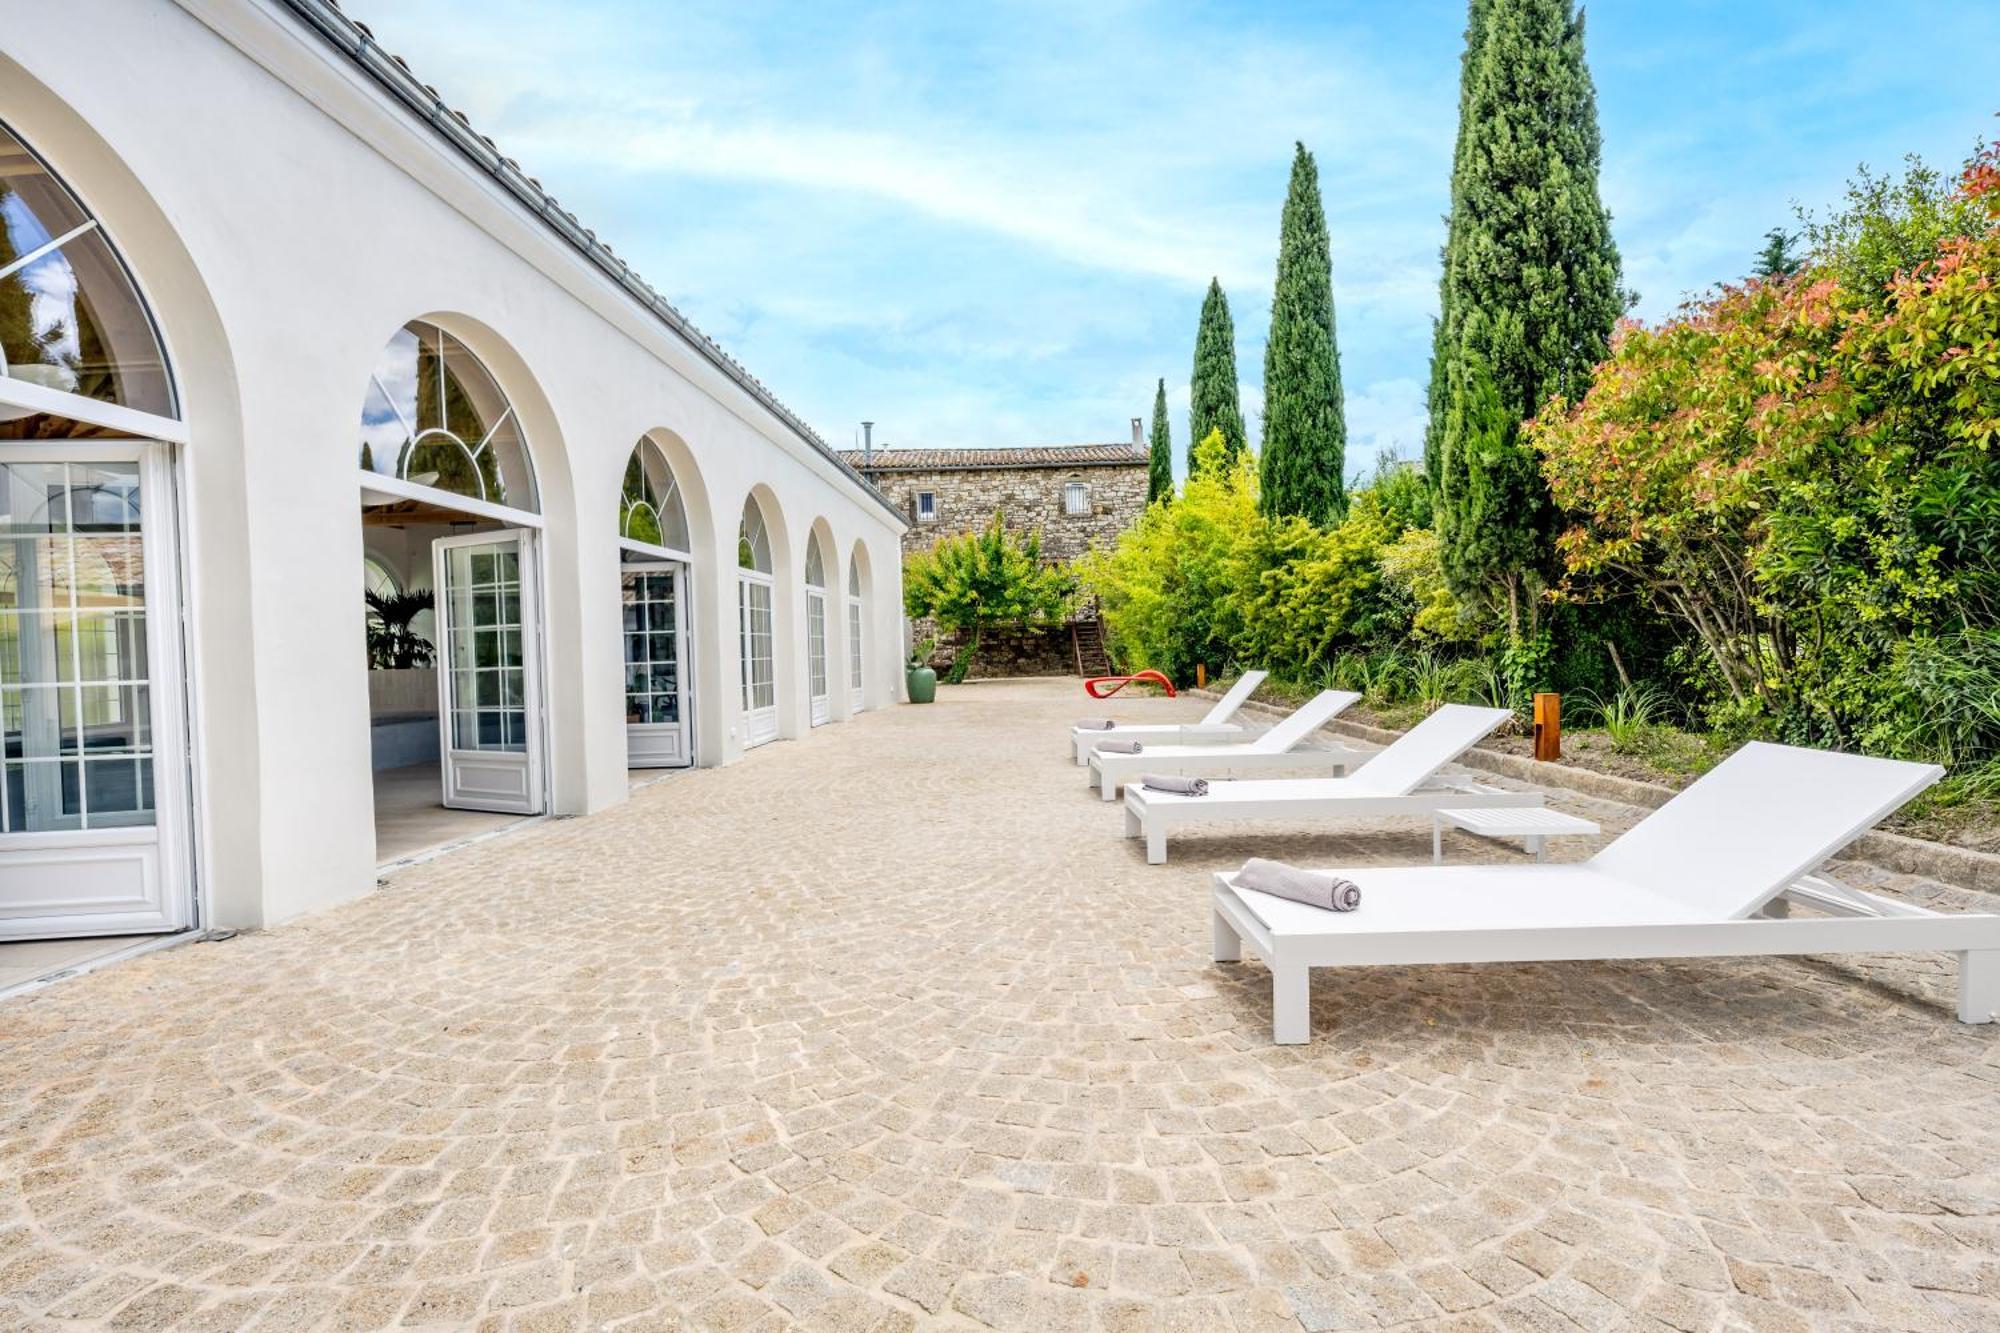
(983, 580)
(1162, 589)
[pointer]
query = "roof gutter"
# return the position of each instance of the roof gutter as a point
(393, 76)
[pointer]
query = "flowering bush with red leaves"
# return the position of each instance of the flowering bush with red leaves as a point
(1805, 477)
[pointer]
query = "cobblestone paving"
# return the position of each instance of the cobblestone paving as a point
(888, 1028)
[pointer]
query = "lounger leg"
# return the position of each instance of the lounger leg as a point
(1291, 1005)
(1131, 823)
(1108, 783)
(1536, 847)
(1156, 845)
(1979, 986)
(1228, 944)
(1437, 841)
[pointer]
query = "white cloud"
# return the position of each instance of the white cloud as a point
(1387, 416)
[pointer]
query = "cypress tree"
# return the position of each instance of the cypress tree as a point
(1304, 456)
(1529, 295)
(1438, 401)
(1776, 261)
(1160, 468)
(1212, 397)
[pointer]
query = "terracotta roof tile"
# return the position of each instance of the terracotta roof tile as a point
(1049, 455)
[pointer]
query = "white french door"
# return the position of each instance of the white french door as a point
(657, 734)
(754, 639)
(854, 677)
(94, 805)
(489, 677)
(816, 673)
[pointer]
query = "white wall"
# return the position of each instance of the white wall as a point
(284, 220)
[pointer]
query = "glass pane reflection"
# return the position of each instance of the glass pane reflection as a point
(75, 698)
(71, 318)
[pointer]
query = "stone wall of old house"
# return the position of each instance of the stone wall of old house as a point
(1006, 652)
(1028, 498)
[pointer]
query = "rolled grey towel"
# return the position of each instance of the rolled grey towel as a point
(1118, 747)
(1096, 724)
(1179, 786)
(1315, 888)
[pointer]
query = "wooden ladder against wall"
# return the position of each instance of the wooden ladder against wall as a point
(1086, 638)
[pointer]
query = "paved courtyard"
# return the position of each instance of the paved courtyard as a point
(889, 1028)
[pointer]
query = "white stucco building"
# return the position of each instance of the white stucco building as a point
(278, 326)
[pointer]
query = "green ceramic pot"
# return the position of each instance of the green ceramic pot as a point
(923, 685)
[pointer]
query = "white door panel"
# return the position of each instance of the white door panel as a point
(489, 671)
(93, 790)
(754, 624)
(816, 664)
(657, 706)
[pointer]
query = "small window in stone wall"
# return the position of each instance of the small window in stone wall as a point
(926, 506)
(1076, 500)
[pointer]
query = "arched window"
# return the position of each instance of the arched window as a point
(815, 565)
(434, 416)
(379, 578)
(71, 318)
(753, 543)
(649, 505)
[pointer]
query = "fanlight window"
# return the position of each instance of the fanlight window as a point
(815, 567)
(378, 578)
(649, 507)
(753, 543)
(853, 577)
(71, 318)
(435, 416)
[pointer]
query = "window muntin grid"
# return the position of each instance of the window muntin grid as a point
(754, 623)
(815, 566)
(753, 541)
(484, 648)
(652, 648)
(816, 644)
(854, 644)
(435, 416)
(650, 508)
(71, 317)
(75, 693)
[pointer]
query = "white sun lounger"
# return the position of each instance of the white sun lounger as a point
(1713, 873)
(1274, 751)
(1401, 779)
(1215, 728)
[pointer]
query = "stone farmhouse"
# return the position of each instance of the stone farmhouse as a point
(1075, 495)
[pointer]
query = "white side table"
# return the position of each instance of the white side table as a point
(1534, 824)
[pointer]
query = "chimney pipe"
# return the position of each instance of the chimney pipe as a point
(1138, 433)
(867, 443)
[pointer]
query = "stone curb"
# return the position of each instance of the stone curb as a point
(1893, 852)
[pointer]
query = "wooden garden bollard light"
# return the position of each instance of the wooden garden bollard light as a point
(1200, 676)
(1548, 726)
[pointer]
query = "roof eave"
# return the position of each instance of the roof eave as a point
(360, 47)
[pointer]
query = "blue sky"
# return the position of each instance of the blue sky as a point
(993, 224)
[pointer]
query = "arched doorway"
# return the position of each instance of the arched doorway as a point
(818, 670)
(655, 552)
(448, 496)
(95, 807)
(756, 626)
